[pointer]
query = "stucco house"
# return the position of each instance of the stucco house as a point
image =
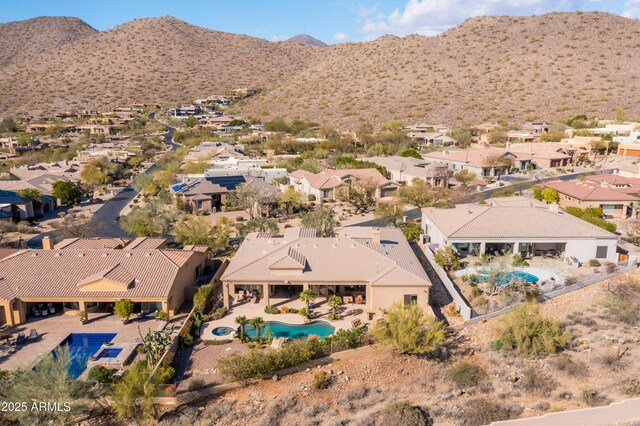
(515, 226)
(326, 184)
(86, 279)
(373, 266)
(483, 162)
(614, 194)
(405, 169)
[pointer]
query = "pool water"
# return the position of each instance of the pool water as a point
(109, 353)
(222, 331)
(321, 329)
(525, 277)
(81, 347)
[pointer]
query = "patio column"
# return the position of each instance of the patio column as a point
(83, 308)
(516, 247)
(265, 293)
(165, 308)
(483, 247)
(305, 286)
(225, 295)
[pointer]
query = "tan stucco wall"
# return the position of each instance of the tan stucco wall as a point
(384, 297)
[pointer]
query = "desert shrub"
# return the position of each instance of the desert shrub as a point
(451, 310)
(276, 410)
(221, 312)
(518, 261)
(631, 386)
(525, 331)
(162, 315)
(481, 411)
(354, 394)
(591, 396)
(465, 374)
(127, 392)
(409, 330)
(259, 363)
(447, 258)
(320, 380)
(537, 381)
(311, 198)
(402, 413)
(100, 374)
(348, 338)
(187, 340)
(623, 303)
(571, 367)
(594, 263)
(611, 359)
(239, 218)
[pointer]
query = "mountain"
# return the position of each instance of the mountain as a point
(489, 68)
(307, 39)
(161, 60)
(22, 40)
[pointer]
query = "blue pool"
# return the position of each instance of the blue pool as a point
(321, 329)
(82, 346)
(525, 277)
(109, 353)
(222, 331)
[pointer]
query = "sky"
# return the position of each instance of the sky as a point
(332, 21)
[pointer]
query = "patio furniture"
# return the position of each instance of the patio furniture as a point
(347, 299)
(33, 335)
(359, 299)
(44, 312)
(52, 309)
(356, 323)
(20, 340)
(35, 311)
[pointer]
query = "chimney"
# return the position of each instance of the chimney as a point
(375, 235)
(553, 208)
(47, 244)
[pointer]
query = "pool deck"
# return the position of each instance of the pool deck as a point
(252, 310)
(53, 329)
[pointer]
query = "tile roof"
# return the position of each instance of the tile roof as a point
(56, 274)
(515, 221)
(410, 166)
(146, 243)
(328, 179)
(589, 191)
(352, 257)
(476, 157)
(92, 243)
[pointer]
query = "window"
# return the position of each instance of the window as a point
(410, 298)
(601, 252)
(606, 207)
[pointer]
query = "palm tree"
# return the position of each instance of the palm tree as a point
(307, 297)
(257, 323)
(242, 321)
(334, 301)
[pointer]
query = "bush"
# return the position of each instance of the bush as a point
(525, 331)
(348, 338)
(202, 298)
(623, 303)
(536, 381)
(259, 363)
(570, 366)
(123, 308)
(239, 218)
(311, 198)
(271, 310)
(409, 330)
(164, 374)
(481, 411)
(320, 380)
(631, 386)
(402, 413)
(594, 263)
(127, 391)
(447, 258)
(162, 315)
(465, 374)
(187, 340)
(221, 312)
(591, 396)
(518, 261)
(100, 374)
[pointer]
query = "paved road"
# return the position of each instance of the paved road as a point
(103, 221)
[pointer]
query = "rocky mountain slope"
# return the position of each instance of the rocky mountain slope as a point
(488, 68)
(306, 39)
(23, 40)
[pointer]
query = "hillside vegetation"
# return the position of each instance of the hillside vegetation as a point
(488, 68)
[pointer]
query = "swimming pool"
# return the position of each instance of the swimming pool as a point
(321, 329)
(81, 347)
(222, 331)
(508, 278)
(109, 353)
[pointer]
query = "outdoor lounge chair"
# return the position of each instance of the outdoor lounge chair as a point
(20, 340)
(33, 335)
(356, 323)
(35, 312)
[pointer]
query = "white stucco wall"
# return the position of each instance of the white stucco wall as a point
(585, 250)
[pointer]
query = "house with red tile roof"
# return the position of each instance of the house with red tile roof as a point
(615, 195)
(326, 184)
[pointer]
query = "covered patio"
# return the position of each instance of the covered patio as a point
(500, 248)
